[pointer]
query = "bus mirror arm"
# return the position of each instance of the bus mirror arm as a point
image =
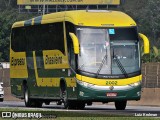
(75, 43)
(146, 43)
(73, 70)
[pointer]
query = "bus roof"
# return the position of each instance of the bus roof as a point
(98, 18)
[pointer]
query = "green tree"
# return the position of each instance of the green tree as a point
(7, 18)
(150, 19)
(5, 4)
(146, 14)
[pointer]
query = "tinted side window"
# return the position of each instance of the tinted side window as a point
(18, 40)
(124, 34)
(39, 37)
(46, 37)
(32, 38)
(55, 37)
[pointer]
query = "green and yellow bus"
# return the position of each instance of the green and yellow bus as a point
(76, 58)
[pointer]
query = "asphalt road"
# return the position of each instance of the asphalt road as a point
(99, 109)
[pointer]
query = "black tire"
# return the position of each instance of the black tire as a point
(120, 105)
(1, 99)
(80, 105)
(68, 104)
(30, 102)
(37, 103)
(59, 102)
(89, 103)
(27, 100)
(47, 103)
(64, 98)
(76, 105)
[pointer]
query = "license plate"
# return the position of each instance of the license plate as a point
(111, 94)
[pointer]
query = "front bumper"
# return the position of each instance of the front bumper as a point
(98, 93)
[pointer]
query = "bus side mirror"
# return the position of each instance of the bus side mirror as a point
(146, 43)
(75, 43)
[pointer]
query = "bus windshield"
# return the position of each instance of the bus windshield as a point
(94, 46)
(108, 51)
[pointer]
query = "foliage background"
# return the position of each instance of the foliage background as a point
(144, 12)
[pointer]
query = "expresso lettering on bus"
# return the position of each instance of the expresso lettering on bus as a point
(17, 62)
(53, 60)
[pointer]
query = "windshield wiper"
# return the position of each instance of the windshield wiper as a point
(101, 65)
(119, 64)
(79, 68)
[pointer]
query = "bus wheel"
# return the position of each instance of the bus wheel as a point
(47, 103)
(120, 105)
(76, 105)
(1, 99)
(80, 105)
(27, 100)
(38, 104)
(64, 98)
(72, 105)
(59, 102)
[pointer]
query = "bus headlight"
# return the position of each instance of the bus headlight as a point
(1, 89)
(135, 84)
(85, 84)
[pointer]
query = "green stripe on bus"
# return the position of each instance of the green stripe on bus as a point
(28, 22)
(42, 72)
(30, 65)
(37, 20)
(47, 73)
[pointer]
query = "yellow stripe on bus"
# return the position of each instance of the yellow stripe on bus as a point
(50, 82)
(18, 65)
(103, 82)
(55, 59)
